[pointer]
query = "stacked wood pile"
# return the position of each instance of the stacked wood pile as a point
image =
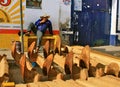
(66, 66)
(106, 81)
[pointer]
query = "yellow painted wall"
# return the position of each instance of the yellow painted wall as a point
(6, 40)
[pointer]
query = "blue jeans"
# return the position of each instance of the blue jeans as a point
(38, 33)
(39, 36)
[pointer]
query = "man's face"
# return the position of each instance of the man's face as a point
(44, 18)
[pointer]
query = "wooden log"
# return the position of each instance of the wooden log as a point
(68, 66)
(47, 64)
(99, 72)
(52, 74)
(29, 74)
(85, 57)
(46, 49)
(21, 85)
(64, 50)
(62, 83)
(40, 61)
(57, 47)
(103, 58)
(22, 65)
(32, 54)
(72, 83)
(37, 84)
(34, 57)
(97, 56)
(84, 74)
(59, 60)
(111, 80)
(60, 76)
(81, 54)
(112, 69)
(59, 65)
(84, 62)
(76, 71)
(15, 54)
(4, 69)
(75, 49)
(100, 57)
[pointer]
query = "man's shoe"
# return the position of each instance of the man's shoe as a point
(27, 34)
(37, 49)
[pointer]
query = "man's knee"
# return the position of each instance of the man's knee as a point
(32, 25)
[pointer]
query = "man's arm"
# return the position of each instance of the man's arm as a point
(37, 22)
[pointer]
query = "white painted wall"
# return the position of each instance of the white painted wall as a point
(57, 10)
(113, 17)
(65, 12)
(51, 7)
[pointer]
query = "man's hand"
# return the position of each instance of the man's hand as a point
(43, 20)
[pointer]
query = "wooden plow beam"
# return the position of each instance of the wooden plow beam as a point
(98, 60)
(54, 62)
(4, 69)
(67, 63)
(15, 54)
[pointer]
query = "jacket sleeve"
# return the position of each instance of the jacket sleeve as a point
(37, 22)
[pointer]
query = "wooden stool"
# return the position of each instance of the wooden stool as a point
(29, 39)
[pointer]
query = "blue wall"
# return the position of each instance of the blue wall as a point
(93, 22)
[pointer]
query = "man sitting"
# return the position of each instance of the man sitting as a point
(39, 28)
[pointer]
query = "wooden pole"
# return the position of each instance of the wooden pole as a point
(21, 17)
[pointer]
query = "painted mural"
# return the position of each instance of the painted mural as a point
(32, 10)
(10, 13)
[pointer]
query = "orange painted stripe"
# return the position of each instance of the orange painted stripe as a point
(15, 31)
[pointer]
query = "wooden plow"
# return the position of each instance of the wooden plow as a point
(68, 62)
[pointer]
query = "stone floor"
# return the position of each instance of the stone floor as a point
(112, 50)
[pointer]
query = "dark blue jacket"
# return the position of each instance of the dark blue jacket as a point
(43, 26)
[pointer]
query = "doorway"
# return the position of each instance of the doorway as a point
(91, 21)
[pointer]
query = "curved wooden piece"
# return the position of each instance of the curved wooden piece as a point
(46, 49)
(58, 45)
(0, 57)
(22, 65)
(16, 55)
(69, 63)
(31, 52)
(28, 72)
(4, 68)
(64, 50)
(85, 57)
(112, 69)
(47, 64)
